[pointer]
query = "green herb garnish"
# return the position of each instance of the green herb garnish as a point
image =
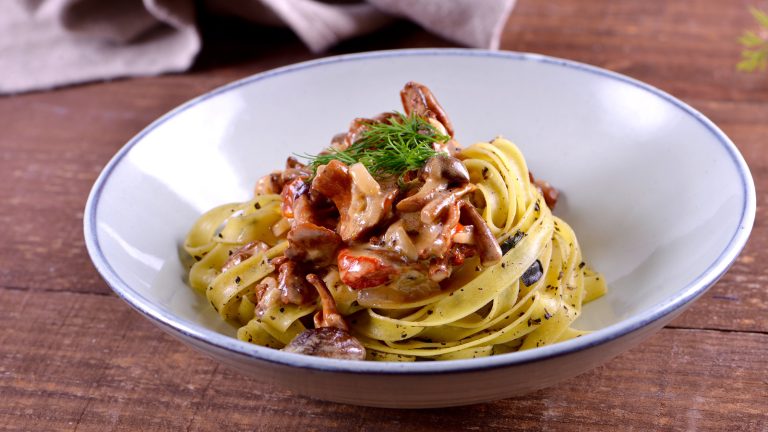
(388, 149)
(754, 56)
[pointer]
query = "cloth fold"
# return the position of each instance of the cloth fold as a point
(50, 43)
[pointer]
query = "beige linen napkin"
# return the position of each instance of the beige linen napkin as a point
(49, 43)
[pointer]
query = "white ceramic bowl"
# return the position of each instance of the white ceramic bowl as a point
(660, 199)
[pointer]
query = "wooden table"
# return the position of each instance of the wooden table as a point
(74, 356)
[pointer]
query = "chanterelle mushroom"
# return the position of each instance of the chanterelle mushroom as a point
(441, 173)
(330, 338)
(418, 99)
(361, 201)
(487, 247)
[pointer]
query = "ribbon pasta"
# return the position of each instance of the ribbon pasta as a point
(527, 300)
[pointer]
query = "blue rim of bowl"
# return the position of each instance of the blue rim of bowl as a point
(218, 341)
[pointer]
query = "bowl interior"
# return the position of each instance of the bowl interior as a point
(653, 191)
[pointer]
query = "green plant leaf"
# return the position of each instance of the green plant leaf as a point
(747, 65)
(760, 16)
(750, 39)
(388, 149)
(762, 61)
(754, 55)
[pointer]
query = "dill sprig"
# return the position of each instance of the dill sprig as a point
(390, 149)
(754, 56)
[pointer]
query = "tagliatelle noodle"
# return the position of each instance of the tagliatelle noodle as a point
(478, 312)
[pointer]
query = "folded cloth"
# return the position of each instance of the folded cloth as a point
(50, 43)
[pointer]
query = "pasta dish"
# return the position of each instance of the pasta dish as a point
(396, 244)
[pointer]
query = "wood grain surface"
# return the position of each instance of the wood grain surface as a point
(75, 357)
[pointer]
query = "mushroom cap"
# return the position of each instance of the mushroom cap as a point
(328, 342)
(446, 167)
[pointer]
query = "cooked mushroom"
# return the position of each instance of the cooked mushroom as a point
(417, 240)
(274, 182)
(328, 342)
(418, 99)
(441, 201)
(265, 294)
(329, 316)
(448, 168)
(293, 163)
(343, 140)
(487, 247)
(290, 193)
(293, 170)
(293, 287)
(441, 268)
(312, 244)
(440, 173)
(361, 201)
(446, 180)
(269, 184)
(330, 338)
(548, 191)
(243, 253)
(435, 238)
